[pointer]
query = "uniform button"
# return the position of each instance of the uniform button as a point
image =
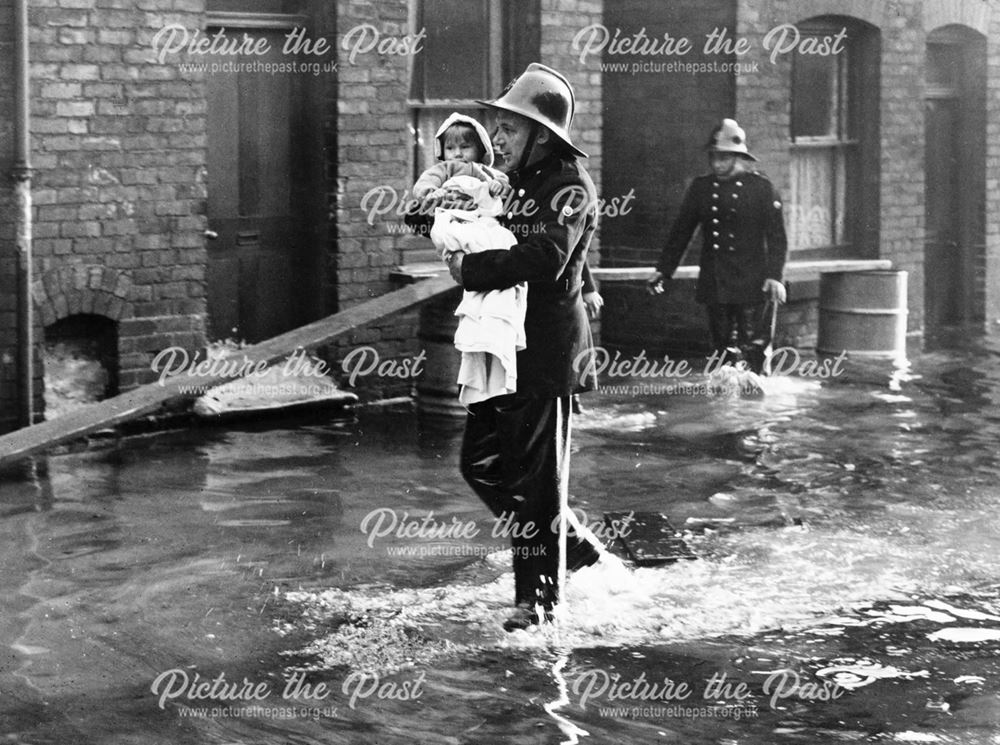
(715, 184)
(731, 248)
(510, 215)
(714, 208)
(715, 234)
(520, 192)
(735, 195)
(715, 220)
(715, 246)
(739, 183)
(715, 195)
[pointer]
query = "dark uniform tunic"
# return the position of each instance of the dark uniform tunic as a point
(515, 452)
(552, 212)
(743, 244)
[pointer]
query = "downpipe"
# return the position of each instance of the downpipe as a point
(21, 175)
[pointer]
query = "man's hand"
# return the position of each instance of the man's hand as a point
(654, 285)
(447, 198)
(593, 302)
(455, 266)
(458, 200)
(775, 290)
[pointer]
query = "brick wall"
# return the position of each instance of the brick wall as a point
(902, 172)
(895, 232)
(561, 20)
(992, 283)
(119, 151)
(118, 191)
(373, 139)
(762, 101)
(373, 153)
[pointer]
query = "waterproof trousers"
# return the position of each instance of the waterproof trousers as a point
(740, 332)
(515, 456)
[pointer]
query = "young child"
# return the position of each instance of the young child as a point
(491, 324)
(463, 148)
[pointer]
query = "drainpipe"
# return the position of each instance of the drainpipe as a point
(21, 174)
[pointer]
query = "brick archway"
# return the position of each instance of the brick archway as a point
(974, 15)
(869, 11)
(82, 288)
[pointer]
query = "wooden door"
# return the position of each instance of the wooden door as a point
(256, 126)
(955, 179)
(943, 259)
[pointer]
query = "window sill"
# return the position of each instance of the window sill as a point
(795, 271)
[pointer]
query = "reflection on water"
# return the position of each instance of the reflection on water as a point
(845, 587)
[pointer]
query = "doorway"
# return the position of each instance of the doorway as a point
(262, 182)
(955, 178)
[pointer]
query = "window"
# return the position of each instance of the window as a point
(832, 115)
(472, 48)
(459, 63)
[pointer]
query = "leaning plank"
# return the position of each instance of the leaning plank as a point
(148, 398)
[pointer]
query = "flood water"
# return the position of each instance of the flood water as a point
(336, 582)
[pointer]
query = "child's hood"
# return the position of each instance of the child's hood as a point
(481, 133)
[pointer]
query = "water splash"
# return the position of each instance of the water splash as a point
(570, 730)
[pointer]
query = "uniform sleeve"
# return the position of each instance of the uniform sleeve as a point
(680, 234)
(777, 242)
(565, 209)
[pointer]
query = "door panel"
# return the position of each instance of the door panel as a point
(253, 119)
(955, 178)
(943, 259)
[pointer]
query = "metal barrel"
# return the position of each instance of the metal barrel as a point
(863, 314)
(437, 389)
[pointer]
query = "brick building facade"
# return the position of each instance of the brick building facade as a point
(117, 184)
(175, 203)
(917, 87)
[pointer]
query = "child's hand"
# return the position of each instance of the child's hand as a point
(499, 189)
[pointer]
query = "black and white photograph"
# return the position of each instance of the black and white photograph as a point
(487, 372)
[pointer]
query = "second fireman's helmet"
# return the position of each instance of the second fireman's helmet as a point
(544, 96)
(729, 137)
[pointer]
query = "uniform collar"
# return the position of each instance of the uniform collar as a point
(530, 171)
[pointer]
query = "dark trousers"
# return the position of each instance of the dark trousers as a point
(740, 332)
(515, 456)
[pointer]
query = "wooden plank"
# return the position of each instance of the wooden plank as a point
(649, 538)
(148, 398)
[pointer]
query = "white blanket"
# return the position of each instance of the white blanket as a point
(491, 324)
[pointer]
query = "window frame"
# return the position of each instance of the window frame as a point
(851, 145)
(424, 111)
